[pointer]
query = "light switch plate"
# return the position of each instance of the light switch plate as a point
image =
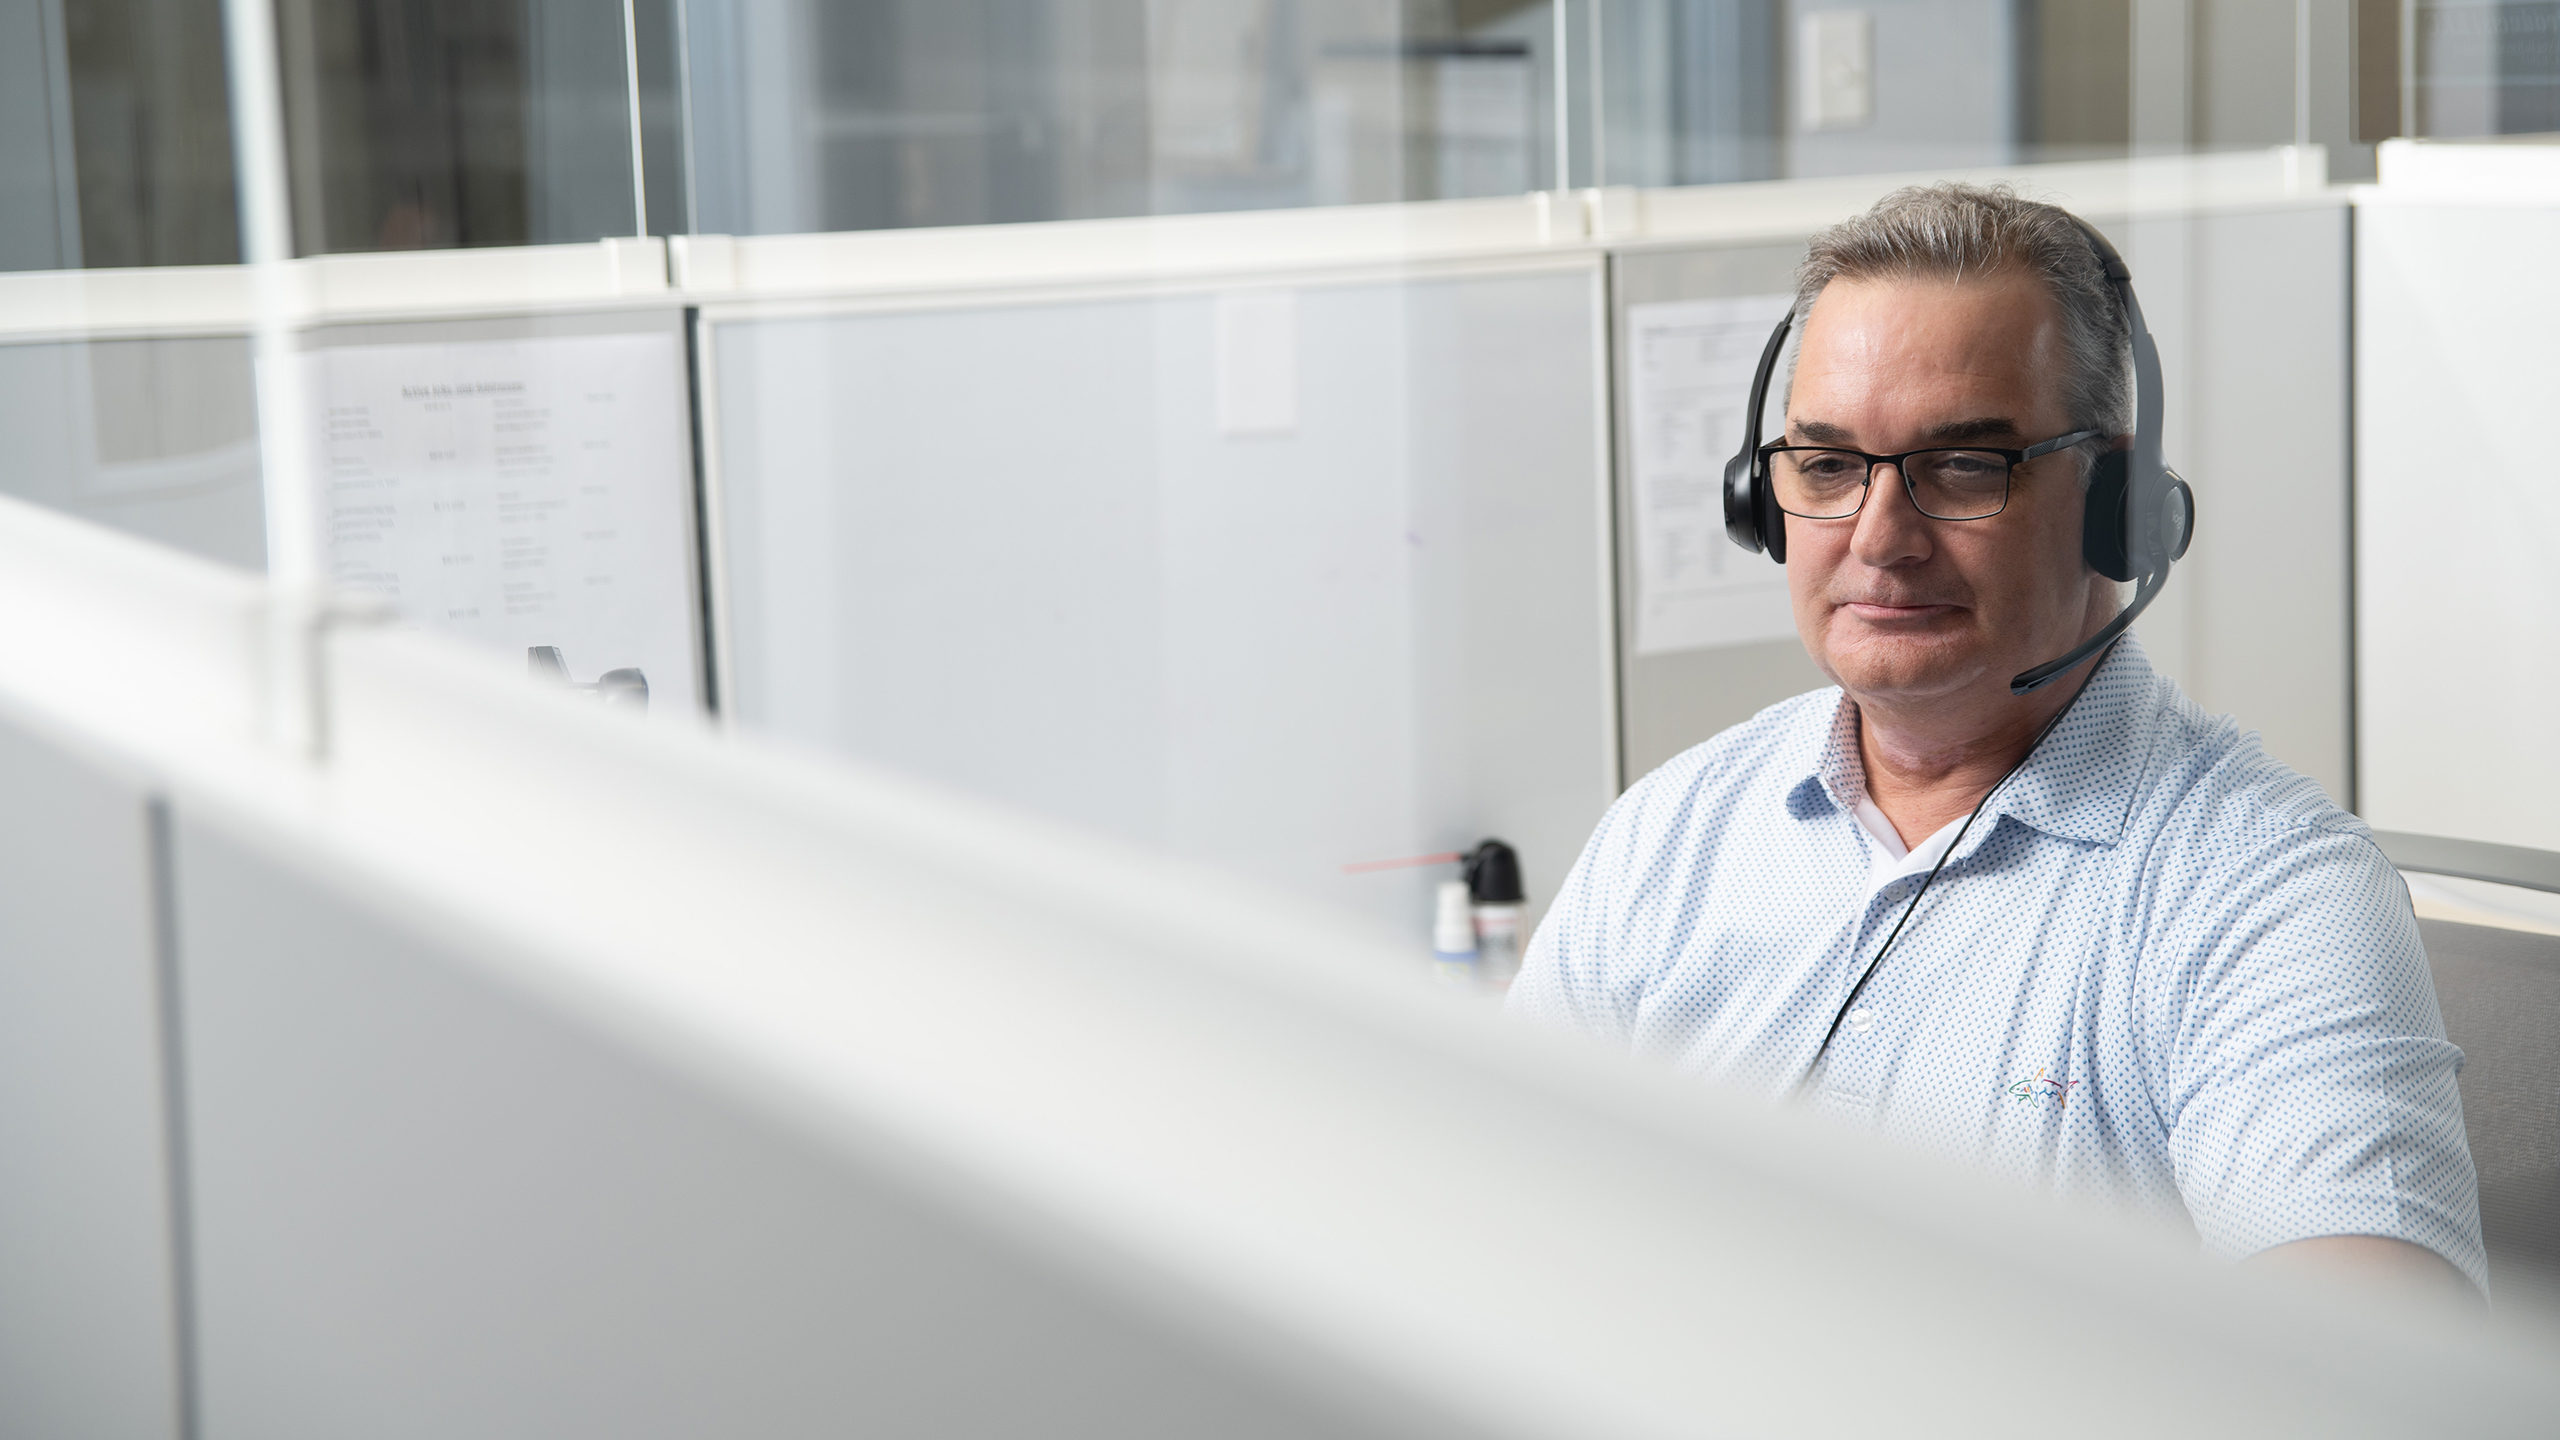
(1835, 75)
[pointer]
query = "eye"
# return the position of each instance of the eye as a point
(1963, 469)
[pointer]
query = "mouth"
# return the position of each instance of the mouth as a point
(1876, 612)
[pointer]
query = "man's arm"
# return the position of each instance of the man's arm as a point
(2310, 1093)
(2397, 1265)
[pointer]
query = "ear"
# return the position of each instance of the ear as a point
(2102, 527)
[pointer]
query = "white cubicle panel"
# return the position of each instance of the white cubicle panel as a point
(1284, 576)
(428, 1205)
(89, 1339)
(2458, 520)
(155, 436)
(2258, 620)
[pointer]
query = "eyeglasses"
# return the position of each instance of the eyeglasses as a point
(1817, 482)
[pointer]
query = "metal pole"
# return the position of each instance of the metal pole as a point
(284, 419)
(2302, 74)
(631, 92)
(1564, 97)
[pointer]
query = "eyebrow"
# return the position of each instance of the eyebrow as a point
(1985, 427)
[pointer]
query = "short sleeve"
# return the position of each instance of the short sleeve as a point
(2299, 1055)
(1571, 977)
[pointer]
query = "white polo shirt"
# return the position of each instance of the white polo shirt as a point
(2161, 968)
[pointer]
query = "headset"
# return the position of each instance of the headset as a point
(2141, 514)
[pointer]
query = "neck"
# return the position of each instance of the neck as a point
(1930, 762)
(1931, 758)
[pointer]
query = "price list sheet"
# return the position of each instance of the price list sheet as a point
(1690, 363)
(519, 493)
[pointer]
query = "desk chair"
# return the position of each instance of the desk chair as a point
(2500, 992)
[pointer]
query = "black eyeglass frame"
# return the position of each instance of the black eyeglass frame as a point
(1867, 486)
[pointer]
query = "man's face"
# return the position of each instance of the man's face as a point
(1892, 604)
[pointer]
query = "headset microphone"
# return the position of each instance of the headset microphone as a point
(2140, 518)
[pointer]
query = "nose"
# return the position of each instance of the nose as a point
(1891, 530)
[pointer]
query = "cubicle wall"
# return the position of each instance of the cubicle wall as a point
(89, 1224)
(154, 435)
(2458, 521)
(2258, 622)
(1289, 573)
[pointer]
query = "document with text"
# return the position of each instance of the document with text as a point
(1689, 365)
(518, 493)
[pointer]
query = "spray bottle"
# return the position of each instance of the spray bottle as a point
(1494, 895)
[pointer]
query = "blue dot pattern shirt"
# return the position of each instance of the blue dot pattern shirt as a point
(2160, 968)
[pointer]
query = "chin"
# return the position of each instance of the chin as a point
(1905, 664)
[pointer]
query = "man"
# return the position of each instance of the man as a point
(2157, 965)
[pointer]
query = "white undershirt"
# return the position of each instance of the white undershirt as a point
(1888, 861)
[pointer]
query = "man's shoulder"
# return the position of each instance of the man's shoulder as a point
(2222, 803)
(1699, 793)
(1742, 753)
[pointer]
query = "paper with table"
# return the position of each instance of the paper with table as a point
(519, 493)
(1689, 365)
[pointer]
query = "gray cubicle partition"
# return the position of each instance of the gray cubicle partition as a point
(2499, 987)
(2249, 306)
(1036, 550)
(154, 436)
(89, 1339)
(1671, 700)
(2500, 992)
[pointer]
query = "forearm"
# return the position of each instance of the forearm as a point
(2387, 1263)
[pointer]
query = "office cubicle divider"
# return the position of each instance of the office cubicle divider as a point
(516, 1068)
(2455, 528)
(1030, 551)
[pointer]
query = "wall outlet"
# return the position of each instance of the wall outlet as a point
(1836, 70)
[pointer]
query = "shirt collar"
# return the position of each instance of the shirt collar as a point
(2079, 785)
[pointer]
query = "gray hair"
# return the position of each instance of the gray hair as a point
(1953, 230)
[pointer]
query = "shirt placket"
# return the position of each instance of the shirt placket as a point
(1872, 1030)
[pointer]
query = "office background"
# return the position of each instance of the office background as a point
(1215, 432)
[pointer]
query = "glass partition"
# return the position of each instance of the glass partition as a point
(416, 125)
(2483, 67)
(888, 113)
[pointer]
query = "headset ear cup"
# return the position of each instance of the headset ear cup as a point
(2178, 516)
(2103, 530)
(1773, 521)
(1741, 501)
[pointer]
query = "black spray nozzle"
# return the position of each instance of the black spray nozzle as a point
(1493, 874)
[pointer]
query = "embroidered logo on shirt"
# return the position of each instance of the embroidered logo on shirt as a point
(2040, 1088)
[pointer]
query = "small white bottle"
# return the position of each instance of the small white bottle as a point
(1453, 936)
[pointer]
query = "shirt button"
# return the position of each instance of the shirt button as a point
(1861, 1020)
